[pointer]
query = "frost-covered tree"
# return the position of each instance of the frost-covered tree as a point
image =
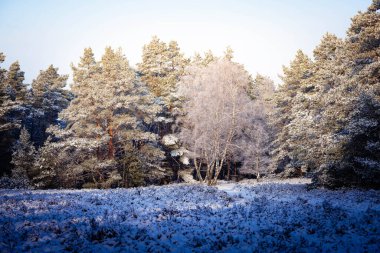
(12, 89)
(47, 81)
(328, 69)
(351, 152)
(14, 82)
(209, 57)
(161, 67)
(2, 71)
(5, 99)
(257, 136)
(218, 110)
(292, 92)
(354, 152)
(48, 98)
(229, 53)
(109, 118)
(23, 157)
(12, 111)
(332, 118)
(262, 89)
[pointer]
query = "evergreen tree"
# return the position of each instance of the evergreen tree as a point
(327, 71)
(48, 162)
(296, 78)
(229, 53)
(14, 82)
(48, 98)
(196, 59)
(351, 152)
(4, 97)
(109, 118)
(2, 71)
(161, 66)
(47, 81)
(22, 158)
(208, 58)
(12, 111)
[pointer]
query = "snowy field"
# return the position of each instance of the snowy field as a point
(246, 217)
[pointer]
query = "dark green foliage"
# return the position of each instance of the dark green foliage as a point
(131, 170)
(359, 146)
(23, 156)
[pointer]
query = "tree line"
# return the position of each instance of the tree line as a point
(119, 126)
(327, 114)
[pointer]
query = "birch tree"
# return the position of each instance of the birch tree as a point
(217, 109)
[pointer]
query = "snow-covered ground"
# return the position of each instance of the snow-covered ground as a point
(245, 217)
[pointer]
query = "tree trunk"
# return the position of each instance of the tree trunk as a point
(228, 170)
(209, 171)
(98, 138)
(257, 165)
(111, 148)
(198, 170)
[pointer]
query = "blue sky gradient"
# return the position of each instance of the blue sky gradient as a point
(264, 34)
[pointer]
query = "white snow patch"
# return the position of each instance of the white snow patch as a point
(269, 216)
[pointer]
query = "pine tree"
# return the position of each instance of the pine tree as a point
(47, 165)
(22, 158)
(47, 81)
(109, 118)
(208, 58)
(327, 71)
(131, 170)
(153, 64)
(2, 71)
(296, 78)
(307, 133)
(229, 53)
(351, 152)
(161, 66)
(14, 82)
(4, 98)
(12, 111)
(48, 99)
(196, 60)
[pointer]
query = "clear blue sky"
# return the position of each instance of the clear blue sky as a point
(264, 34)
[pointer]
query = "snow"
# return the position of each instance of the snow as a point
(270, 216)
(170, 140)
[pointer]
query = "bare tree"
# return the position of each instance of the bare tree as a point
(218, 110)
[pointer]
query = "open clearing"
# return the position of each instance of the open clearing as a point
(267, 217)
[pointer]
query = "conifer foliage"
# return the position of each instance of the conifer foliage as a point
(162, 65)
(12, 111)
(22, 158)
(108, 119)
(328, 109)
